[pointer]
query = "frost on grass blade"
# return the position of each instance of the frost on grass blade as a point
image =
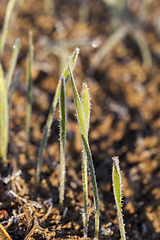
(10, 6)
(85, 98)
(62, 120)
(3, 118)
(13, 61)
(49, 121)
(117, 190)
(84, 134)
(29, 86)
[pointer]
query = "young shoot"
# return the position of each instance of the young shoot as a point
(3, 118)
(49, 121)
(117, 190)
(83, 130)
(85, 98)
(29, 87)
(10, 6)
(9, 76)
(63, 121)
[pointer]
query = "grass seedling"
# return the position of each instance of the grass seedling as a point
(29, 86)
(5, 83)
(47, 127)
(84, 133)
(63, 121)
(117, 190)
(16, 48)
(10, 6)
(85, 98)
(3, 118)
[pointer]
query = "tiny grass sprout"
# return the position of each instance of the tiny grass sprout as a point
(63, 121)
(4, 119)
(117, 190)
(85, 98)
(83, 130)
(5, 83)
(49, 121)
(10, 6)
(29, 86)
(16, 48)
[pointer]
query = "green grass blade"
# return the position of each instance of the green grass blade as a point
(86, 104)
(49, 121)
(6, 23)
(84, 134)
(3, 118)
(85, 98)
(13, 61)
(29, 86)
(63, 120)
(117, 190)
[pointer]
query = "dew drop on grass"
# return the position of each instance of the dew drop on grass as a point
(96, 43)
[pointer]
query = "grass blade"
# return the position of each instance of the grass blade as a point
(85, 98)
(117, 190)
(49, 121)
(84, 134)
(10, 6)
(3, 118)
(29, 86)
(63, 120)
(13, 61)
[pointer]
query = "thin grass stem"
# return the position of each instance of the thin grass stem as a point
(85, 98)
(3, 118)
(63, 121)
(49, 121)
(84, 134)
(29, 87)
(117, 190)
(16, 48)
(10, 6)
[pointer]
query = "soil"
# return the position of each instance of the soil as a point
(125, 122)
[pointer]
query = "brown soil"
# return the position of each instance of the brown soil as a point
(125, 121)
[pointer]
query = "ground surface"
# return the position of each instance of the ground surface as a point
(125, 121)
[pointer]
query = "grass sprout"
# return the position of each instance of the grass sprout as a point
(10, 6)
(16, 48)
(4, 119)
(29, 86)
(117, 190)
(85, 98)
(63, 121)
(83, 130)
(49, 121)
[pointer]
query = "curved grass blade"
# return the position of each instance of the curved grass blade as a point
(84, 134)
(85, 98)
(10, 6)
(3, 118)
(16, 48)
(46, 131)
(117, 190)
(29, 86)
(63, 121)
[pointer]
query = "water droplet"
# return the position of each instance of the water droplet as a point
(96, 43)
